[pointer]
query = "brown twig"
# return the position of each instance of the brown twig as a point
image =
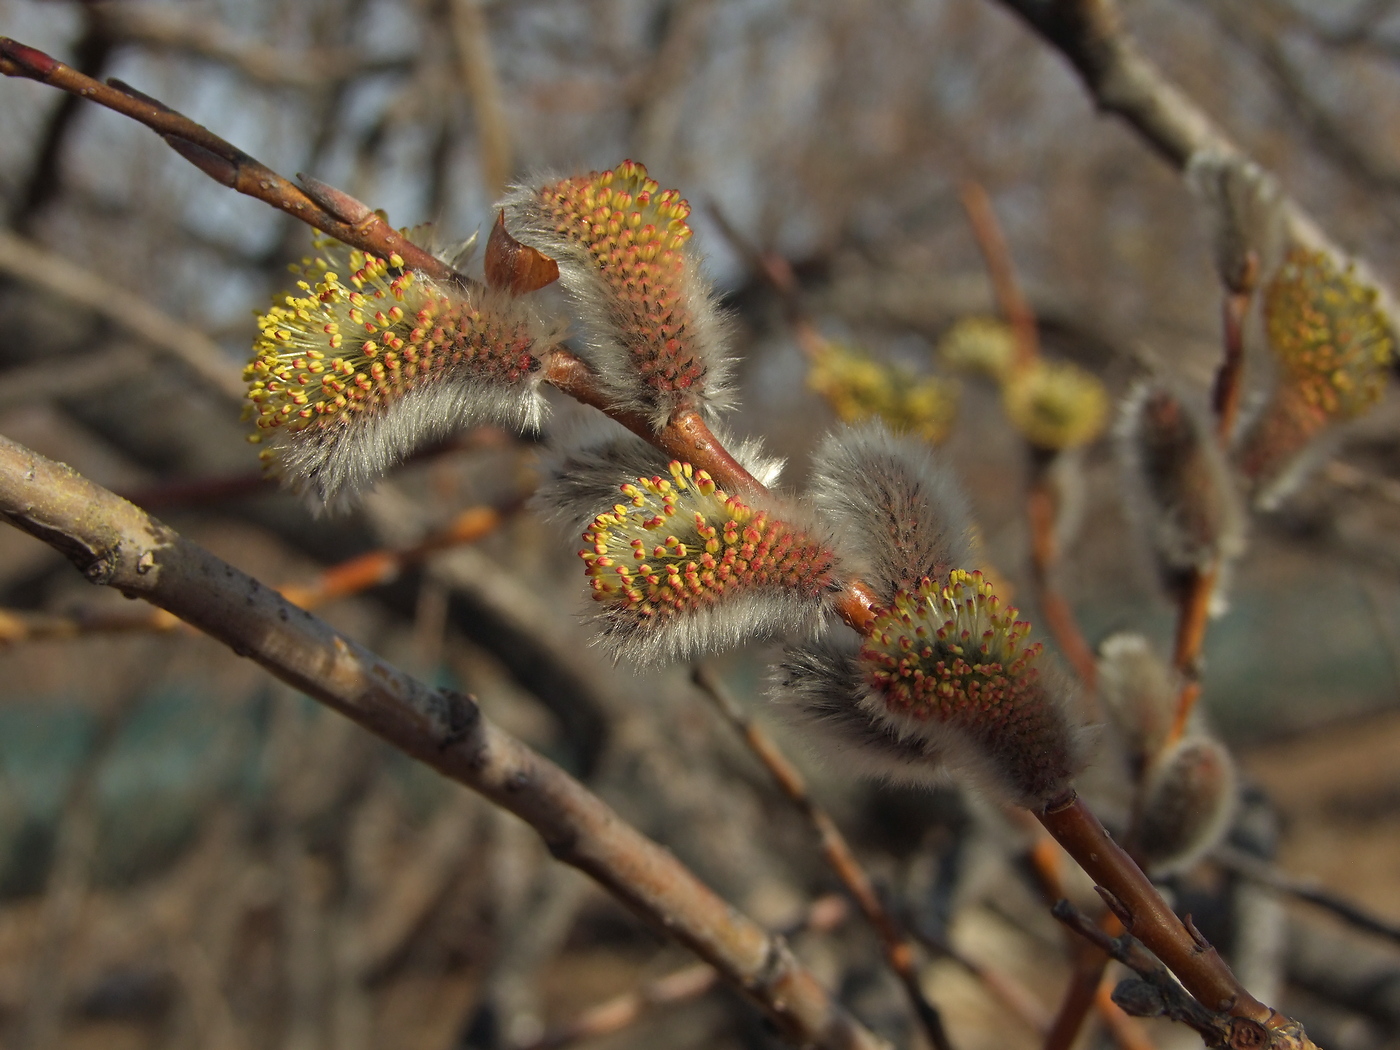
(996, 256)
(836, 851)
(1121, 80)
(24, 625)
(1193, 614)
(1042, 510)
(334, 213)
(385, 565)
(1146, 916)
(1059, 618)
(1156, 995)
(116, 544)
(1169, 998)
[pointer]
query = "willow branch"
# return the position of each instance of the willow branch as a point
(1146, 916)
(337, 214)
(116, 544)
(1123, 81)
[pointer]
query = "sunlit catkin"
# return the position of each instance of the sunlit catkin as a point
(1333, 345)
(623, 249)
(353, 373)
(678, 566)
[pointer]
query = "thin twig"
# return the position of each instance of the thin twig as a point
(836, 851)
(1193, 613)
(377, 567)
(1121, 80)
(1060, 621)
(1305, 889)
(996, 256)
(116, 544)
(339, 215)
(1042, 510)
(1157, 994)
(1146, 916)
(23, 625)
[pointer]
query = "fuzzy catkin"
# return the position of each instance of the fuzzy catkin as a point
(945, 683)
(1180, 489)
(352, 375)
(897, 512)
(653, 334)
(679, 567)
(1188, 800)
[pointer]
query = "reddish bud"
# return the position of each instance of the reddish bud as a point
(514, 267)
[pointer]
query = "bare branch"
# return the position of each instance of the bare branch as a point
(114, 543)
(1304, 889)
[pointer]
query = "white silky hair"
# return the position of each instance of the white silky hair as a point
(1161, 514)
(896, 510)
(332, 467)
(823, 687)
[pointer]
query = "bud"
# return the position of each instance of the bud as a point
(980, 344)
(621, 242)
(860, 388)
(351, 376)
(897, 511)
(1188, 800)
(1241, 203)
(1055, 404)
(681, 567)
(820, 685)
(1139, 691)
(1334, 345)
(1178, 486)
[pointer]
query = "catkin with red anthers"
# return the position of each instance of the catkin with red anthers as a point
(652, 332)
(679, 567)
(1333, 343)
(945, 679)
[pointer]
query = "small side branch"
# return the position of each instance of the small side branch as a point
(1266, 874)
(837, 852)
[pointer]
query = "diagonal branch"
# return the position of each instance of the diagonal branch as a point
(116, 544)
(1123, 81)
(342, 217)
